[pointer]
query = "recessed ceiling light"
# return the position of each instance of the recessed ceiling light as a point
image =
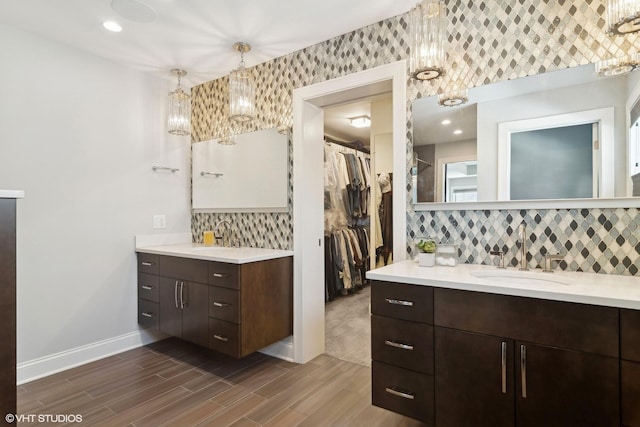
(457, 132)
(360, 122)
(112, 26)
(445, 122)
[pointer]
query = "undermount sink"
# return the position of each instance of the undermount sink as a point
(518, 277)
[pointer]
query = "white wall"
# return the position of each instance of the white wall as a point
(382, 134)
(80, 135)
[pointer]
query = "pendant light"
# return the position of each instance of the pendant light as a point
(179, 117)
(427, 39)
(453, 98)
(617, 66)
(623, 16)
(241, 89)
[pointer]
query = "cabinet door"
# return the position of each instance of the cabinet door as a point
(474, 381)
(630, 373)
(195, 303)
(556, 387)
(170, 311)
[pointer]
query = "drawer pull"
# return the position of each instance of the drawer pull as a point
(220, 275)
(523, 369)
(399, 302)
(221, 304)
(147, 264)
(147, 288)
(398, 345)
(147, 314)
(503, 367)
(221, 338)
(399, 393)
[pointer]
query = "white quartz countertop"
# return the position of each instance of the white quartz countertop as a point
(230, 255)
(11, 194)
(586, 288)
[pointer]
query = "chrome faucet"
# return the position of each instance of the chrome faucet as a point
(522, 237)
(548, 259)
(223, 238)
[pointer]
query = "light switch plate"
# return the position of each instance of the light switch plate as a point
(159, 221)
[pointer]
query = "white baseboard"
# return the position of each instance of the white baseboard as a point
(282, 349)
(48, 365)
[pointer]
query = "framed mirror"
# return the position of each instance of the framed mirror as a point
(496, 112)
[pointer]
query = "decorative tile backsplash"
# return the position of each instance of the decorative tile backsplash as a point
(489, 41)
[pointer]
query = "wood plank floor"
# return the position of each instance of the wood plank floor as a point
(174, 383)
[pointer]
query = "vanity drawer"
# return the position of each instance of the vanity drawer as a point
(147, 263)
(405, 344)
(630, 334)
(148, 287)
(148, 313)
(187, 269)
(630, 393)
(224, 304)
(582, 327)
(402, 301)
(224, 337)
(224, 275)
(402, 391)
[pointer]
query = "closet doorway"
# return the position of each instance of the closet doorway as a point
(358, 171)
(308, 190)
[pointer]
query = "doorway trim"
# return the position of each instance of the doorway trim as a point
(308, 215)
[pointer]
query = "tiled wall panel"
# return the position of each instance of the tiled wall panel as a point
(489, 41)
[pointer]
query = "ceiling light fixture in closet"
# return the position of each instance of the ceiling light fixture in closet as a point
(360, 122)
(428, 32)
(241, 89)
(179, 116)
(623, 16)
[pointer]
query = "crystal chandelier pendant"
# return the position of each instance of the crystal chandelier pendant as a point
(241, 89)
(617, 66)
(623, 16)
(427, 39)
(179, 116)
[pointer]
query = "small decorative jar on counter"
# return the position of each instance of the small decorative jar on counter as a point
(447, 255)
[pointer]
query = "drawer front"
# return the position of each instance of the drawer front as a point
(224, 275)
(148, 287)
(224, 304)
(402, 301)
(148, 314)
(192, 270)
(402, 391)
(630, 381)
(630, 334)
(147, 263)
(224, 337)
(588, 328)
(404, 344)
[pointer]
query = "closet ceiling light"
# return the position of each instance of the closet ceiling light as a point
(428, 32)
(623, 16)
(241, 89)
(179, 116)
(618, 66)
(360, 122)
(452, 99)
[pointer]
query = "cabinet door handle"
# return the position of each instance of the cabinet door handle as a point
(398, 345)
(175, 293)
(399, 393)
(182, 302)
(221, 338)
(503, 367)
(220, 275)
(147, 314)
(221, 304)
(147, 264)
(399, 302)
(147, 288)
(523, 369)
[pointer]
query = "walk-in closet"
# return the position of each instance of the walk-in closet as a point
(358, 219)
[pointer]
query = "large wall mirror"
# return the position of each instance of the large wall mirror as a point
(563, 135)
(249, 176)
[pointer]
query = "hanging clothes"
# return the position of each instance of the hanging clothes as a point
(386, 216)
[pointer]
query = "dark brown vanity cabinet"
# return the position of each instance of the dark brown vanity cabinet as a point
(630, 367)
(557, 361)
(235, 309)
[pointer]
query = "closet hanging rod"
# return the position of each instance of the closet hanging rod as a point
(164, 168)
(215, 174)
(347, 145)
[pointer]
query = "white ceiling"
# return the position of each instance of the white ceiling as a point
(196, 35)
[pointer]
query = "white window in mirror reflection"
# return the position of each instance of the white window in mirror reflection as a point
(564, 156)
(460, 182)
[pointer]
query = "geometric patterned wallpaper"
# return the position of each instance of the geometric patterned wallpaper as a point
(489, 41)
